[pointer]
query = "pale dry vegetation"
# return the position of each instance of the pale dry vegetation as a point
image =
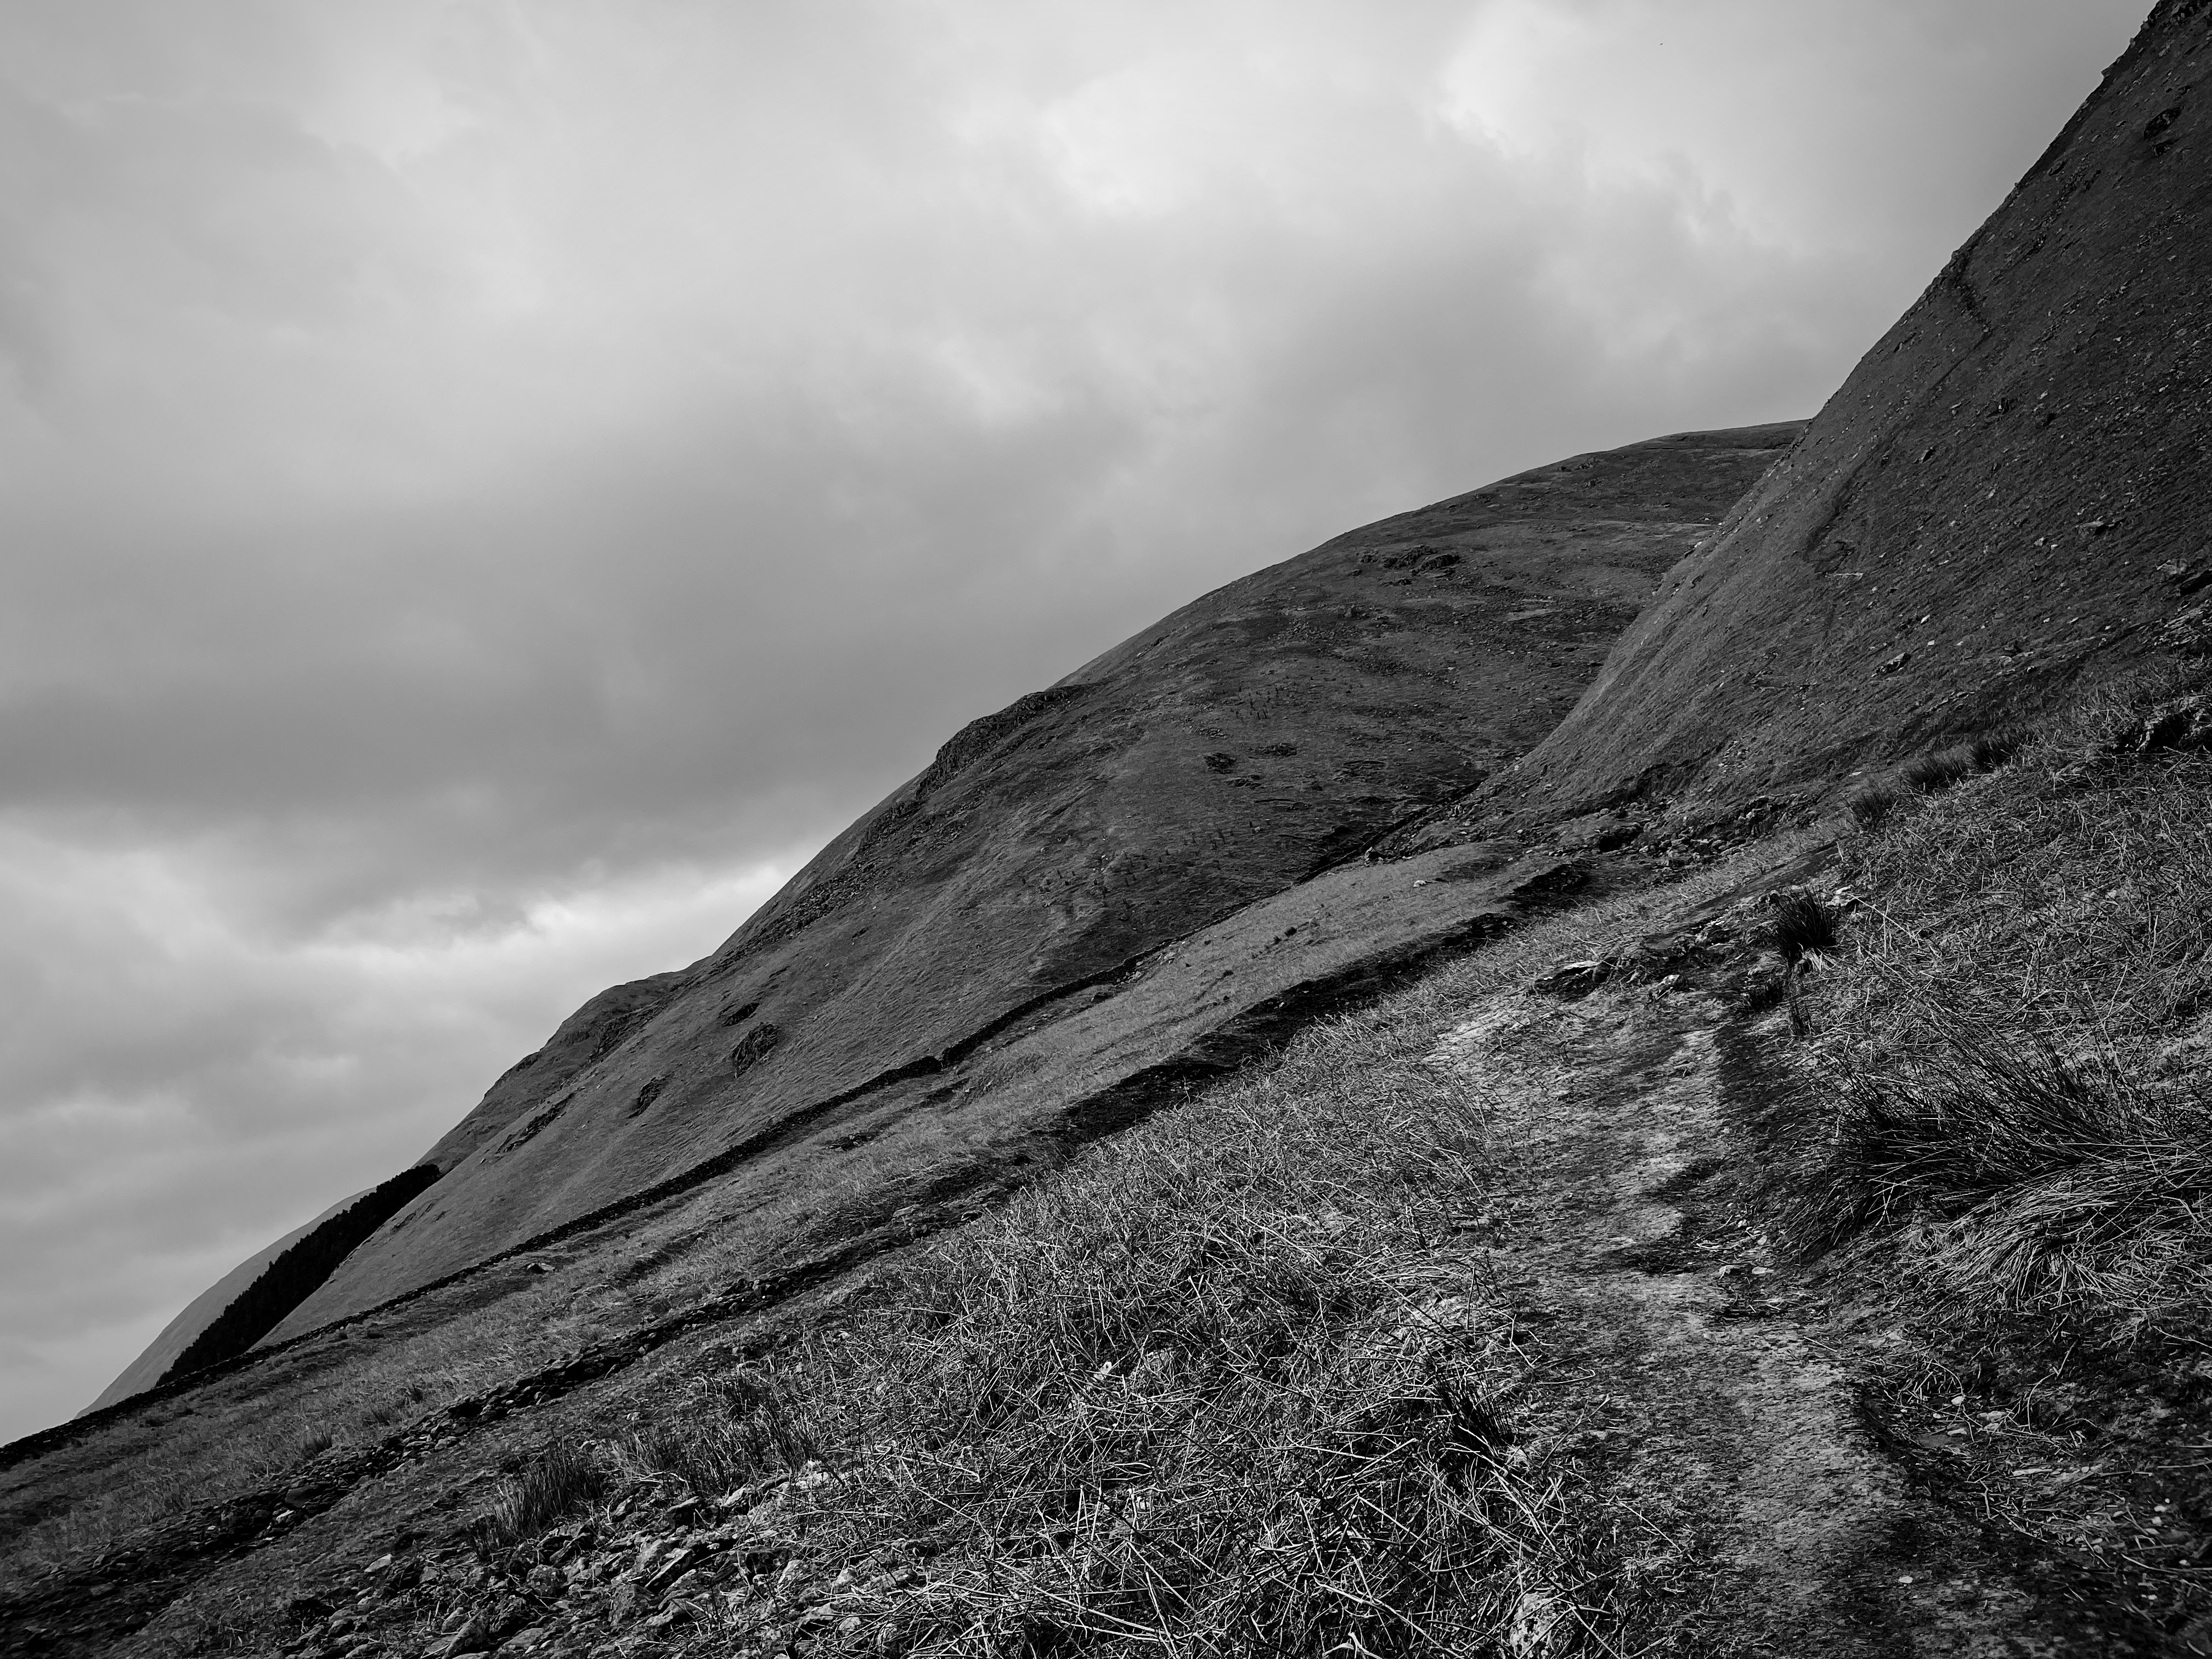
(1231, 1383)
(1390, 1157)
(1997, 1149)
(2007, 1084)
(1211, 1388)
(563, 1477)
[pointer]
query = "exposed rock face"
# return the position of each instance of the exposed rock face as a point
(1245, 742)
(2008, 494)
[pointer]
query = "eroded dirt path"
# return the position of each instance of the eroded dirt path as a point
(1688, 1372)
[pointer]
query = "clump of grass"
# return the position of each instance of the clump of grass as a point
(563, 1477)
(1923, 774)
(1873, 803)
(1993, 749)
(1869, 803)
(1955, 1134)
(2020, 1163)
(1802, 931)
(735, 1430)
(2024, 1180)
(1801, 925)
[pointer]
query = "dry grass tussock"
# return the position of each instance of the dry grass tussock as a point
(1201, 1394)
(564, 1477)
(2008, 1085)
(1870, 804)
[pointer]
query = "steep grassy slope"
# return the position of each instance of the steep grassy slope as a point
(1249, 740)
(203, 1309)
(2008, 494)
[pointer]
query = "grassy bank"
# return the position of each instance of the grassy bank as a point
(2009, 1066)
(1255, 1259)
(1994, 1149)
(1230, 1385)
(1232, 1382)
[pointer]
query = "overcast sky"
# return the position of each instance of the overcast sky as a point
(487, 487)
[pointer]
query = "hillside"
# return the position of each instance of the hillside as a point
(203, 1310)
(1295, 1140)
(2008, 497)
(1157, 866)
(1252, 740)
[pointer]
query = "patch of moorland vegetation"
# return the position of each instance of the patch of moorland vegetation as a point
(1217, 1390)
(1999, 1144)
(564, 1477)
(174, 1461)
(1231, 1383)
(731, 1430)
(215, 1445)
(2014, 1059)
(1869, 803)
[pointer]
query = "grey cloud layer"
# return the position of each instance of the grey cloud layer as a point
(476, 476)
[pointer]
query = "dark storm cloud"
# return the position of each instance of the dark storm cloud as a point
(488, 488)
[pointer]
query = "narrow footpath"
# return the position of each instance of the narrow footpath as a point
(1691, 1373)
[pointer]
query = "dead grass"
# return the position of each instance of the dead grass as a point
(1193, 1389)
(1224, 1385)
(1870, 804)
(1996, 1149)
(734, 1430)
(2007, 1080)
(1231, 1383)
(1801, 925)
(562, 1478)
